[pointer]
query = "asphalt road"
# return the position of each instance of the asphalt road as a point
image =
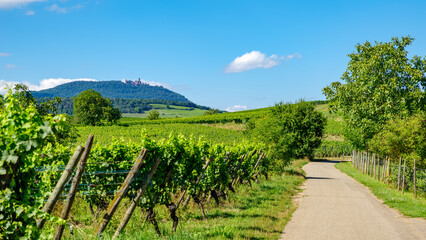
(334, 206)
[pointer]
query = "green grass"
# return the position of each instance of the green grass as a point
(132, 133)
(257, 212)
(405, 203)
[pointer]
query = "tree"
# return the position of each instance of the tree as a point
(153, 115)
(211, 111)
(292, 131)
(402, 138)
(381, 82)
(91, 108)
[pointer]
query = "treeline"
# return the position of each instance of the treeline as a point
(111, 89)
(124, 105)
(382, 101)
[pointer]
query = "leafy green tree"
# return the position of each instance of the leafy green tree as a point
(91, 108)
(402, 138)
(380, 83)
(153, 115)
(211, 111)
(292, 131)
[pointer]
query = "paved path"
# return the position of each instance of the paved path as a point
(334, 206)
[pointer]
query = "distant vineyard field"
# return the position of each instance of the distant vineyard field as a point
(132, 133)
(237, 117)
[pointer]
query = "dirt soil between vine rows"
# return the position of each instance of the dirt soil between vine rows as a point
(335, 206)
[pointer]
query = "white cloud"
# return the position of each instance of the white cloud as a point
(16, 3)
(4, 85)
(256, 59)
(57, 9)
(30, 13)
(10, 66)
(251, 60)
(44, 84)
(53, 82)
(2, 54)
(236, 108)
(294, 55)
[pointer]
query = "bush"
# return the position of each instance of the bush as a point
(292, 131)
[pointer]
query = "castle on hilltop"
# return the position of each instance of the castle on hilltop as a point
(135, 83)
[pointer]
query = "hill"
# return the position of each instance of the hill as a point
(112, 89)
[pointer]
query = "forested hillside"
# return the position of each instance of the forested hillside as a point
(125, 105)
(112, 89)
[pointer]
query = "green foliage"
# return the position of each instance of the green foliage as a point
(381, 82)
(333, 149)
(236, 117)
(24, 132)
(181, 158)
(91, 108)
(402, 137)
(65, 105)
(291, 130)
(211, 111)
(26, 99)
(213, 135)
(154, 115)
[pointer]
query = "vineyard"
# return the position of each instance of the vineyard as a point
(132, 133)
(237, 117)
(189, 168)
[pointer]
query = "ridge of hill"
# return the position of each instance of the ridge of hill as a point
(112, 89)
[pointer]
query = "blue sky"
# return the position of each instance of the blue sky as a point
(224, 54)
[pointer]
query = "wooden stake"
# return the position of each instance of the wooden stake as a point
(135, 200)
(66, 175)
(120, 194)
(414, 176)
(403, 177)
(236, 170)
(74, 186)
(399, 174)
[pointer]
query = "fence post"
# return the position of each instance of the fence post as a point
(120, 194)
(66, 175)
(399, 174)
(414, 176)
(74, 186)
(135, 201)
(236, 170)
(403, 177)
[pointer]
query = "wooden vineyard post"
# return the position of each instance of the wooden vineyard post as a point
(150, 214)
(199, 179)
(236, 170)
(120, 194)
(262, 155)
(399, 174)
(403, 177)
(364, 162)
(414, 176)
(66, 175)
(135, 200)
(74, 186)
(374, 165)
(368, 163)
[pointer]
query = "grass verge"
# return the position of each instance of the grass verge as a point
(404, 203)
(257, 212)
